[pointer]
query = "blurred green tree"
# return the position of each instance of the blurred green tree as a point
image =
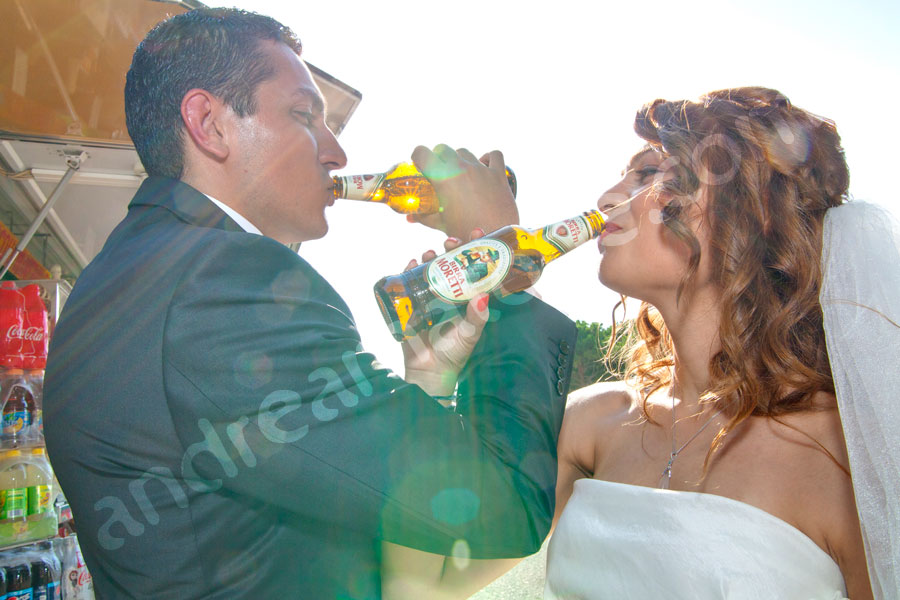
(591, 362)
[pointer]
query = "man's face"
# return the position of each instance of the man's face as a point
(284, 153)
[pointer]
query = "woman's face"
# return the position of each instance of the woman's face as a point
(641, 257)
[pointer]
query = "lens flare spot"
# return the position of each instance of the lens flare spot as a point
(252, 369)
(460, 554)
(455, 506)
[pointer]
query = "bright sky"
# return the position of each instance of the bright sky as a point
(555, 86)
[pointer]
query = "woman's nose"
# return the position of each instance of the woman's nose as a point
(614, 198)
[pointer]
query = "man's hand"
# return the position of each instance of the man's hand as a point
(472, 193)
(435, 357)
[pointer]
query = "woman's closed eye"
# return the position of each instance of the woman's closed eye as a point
(646, 173)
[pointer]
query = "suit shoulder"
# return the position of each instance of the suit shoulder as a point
(239, 255)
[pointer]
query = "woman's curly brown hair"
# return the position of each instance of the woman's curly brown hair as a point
(768, 171)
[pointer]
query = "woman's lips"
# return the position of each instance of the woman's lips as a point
(610, 228)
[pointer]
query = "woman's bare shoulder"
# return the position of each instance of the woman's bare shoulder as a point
(593, 410)
(602, 399)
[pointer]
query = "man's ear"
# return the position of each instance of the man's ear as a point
(203, 114)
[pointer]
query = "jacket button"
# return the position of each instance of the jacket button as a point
(564, 347)
(560, 387)
(561, 372)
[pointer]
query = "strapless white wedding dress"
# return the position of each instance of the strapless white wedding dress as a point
(624, 542)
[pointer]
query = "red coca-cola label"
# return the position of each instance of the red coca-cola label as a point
(23, 327)
(12, 319)
(32, 334)
(35, 329)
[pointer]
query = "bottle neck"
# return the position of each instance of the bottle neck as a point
(567, 235)
(597, 221)
(357, 187)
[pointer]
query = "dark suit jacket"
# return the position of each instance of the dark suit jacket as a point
(220, 432)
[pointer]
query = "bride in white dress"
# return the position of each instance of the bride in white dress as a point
(729, 401)
(719, 468)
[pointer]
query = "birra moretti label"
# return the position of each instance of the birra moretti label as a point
(361, 187)
(568, 234)
(469, 270)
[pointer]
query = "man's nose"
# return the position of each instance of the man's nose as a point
(331, 154)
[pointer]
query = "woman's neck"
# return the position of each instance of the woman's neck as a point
(693, 325)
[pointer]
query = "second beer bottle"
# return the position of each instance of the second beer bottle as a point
(506, 261)
(403, 188)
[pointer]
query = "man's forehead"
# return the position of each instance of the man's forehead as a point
(293, 73)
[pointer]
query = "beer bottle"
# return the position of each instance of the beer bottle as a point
(503, 262)
(403, 188)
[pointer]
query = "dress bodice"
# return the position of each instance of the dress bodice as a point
(625, 542)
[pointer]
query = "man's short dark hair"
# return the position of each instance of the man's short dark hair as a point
(214, 49)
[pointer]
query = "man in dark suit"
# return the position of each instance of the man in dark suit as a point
(211, 415)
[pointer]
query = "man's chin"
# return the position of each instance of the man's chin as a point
(308, 235)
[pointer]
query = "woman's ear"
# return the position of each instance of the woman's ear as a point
(670, 212)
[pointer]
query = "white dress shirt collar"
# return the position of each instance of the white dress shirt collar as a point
(236, 216)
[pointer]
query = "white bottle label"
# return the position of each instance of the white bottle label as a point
(568, 234)
(361, 187)
(469, 270)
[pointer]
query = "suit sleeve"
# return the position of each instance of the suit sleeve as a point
(274, 398)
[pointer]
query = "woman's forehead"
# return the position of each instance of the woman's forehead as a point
(647, 155)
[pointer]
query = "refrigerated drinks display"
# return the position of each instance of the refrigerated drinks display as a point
(38, 549)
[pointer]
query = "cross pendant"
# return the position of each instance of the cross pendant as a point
(667, 473)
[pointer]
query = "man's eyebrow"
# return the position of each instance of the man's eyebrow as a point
(313, 95)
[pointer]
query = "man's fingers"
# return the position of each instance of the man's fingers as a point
(445, 153)
(411, 265)
(450, 243)
(478, 232)
(494, 159)
(466, 155)
(439, 164)
(423, 158)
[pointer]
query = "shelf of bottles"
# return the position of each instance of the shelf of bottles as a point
(39, 554)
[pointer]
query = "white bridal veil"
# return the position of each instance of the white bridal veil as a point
(860, 298)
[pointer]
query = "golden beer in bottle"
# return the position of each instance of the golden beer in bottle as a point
(403, 188)
(503, 262)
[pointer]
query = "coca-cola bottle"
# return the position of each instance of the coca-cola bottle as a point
(77, 583)
(35, 330)
(12, 318)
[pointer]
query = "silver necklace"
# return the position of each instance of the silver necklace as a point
(666, 476)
